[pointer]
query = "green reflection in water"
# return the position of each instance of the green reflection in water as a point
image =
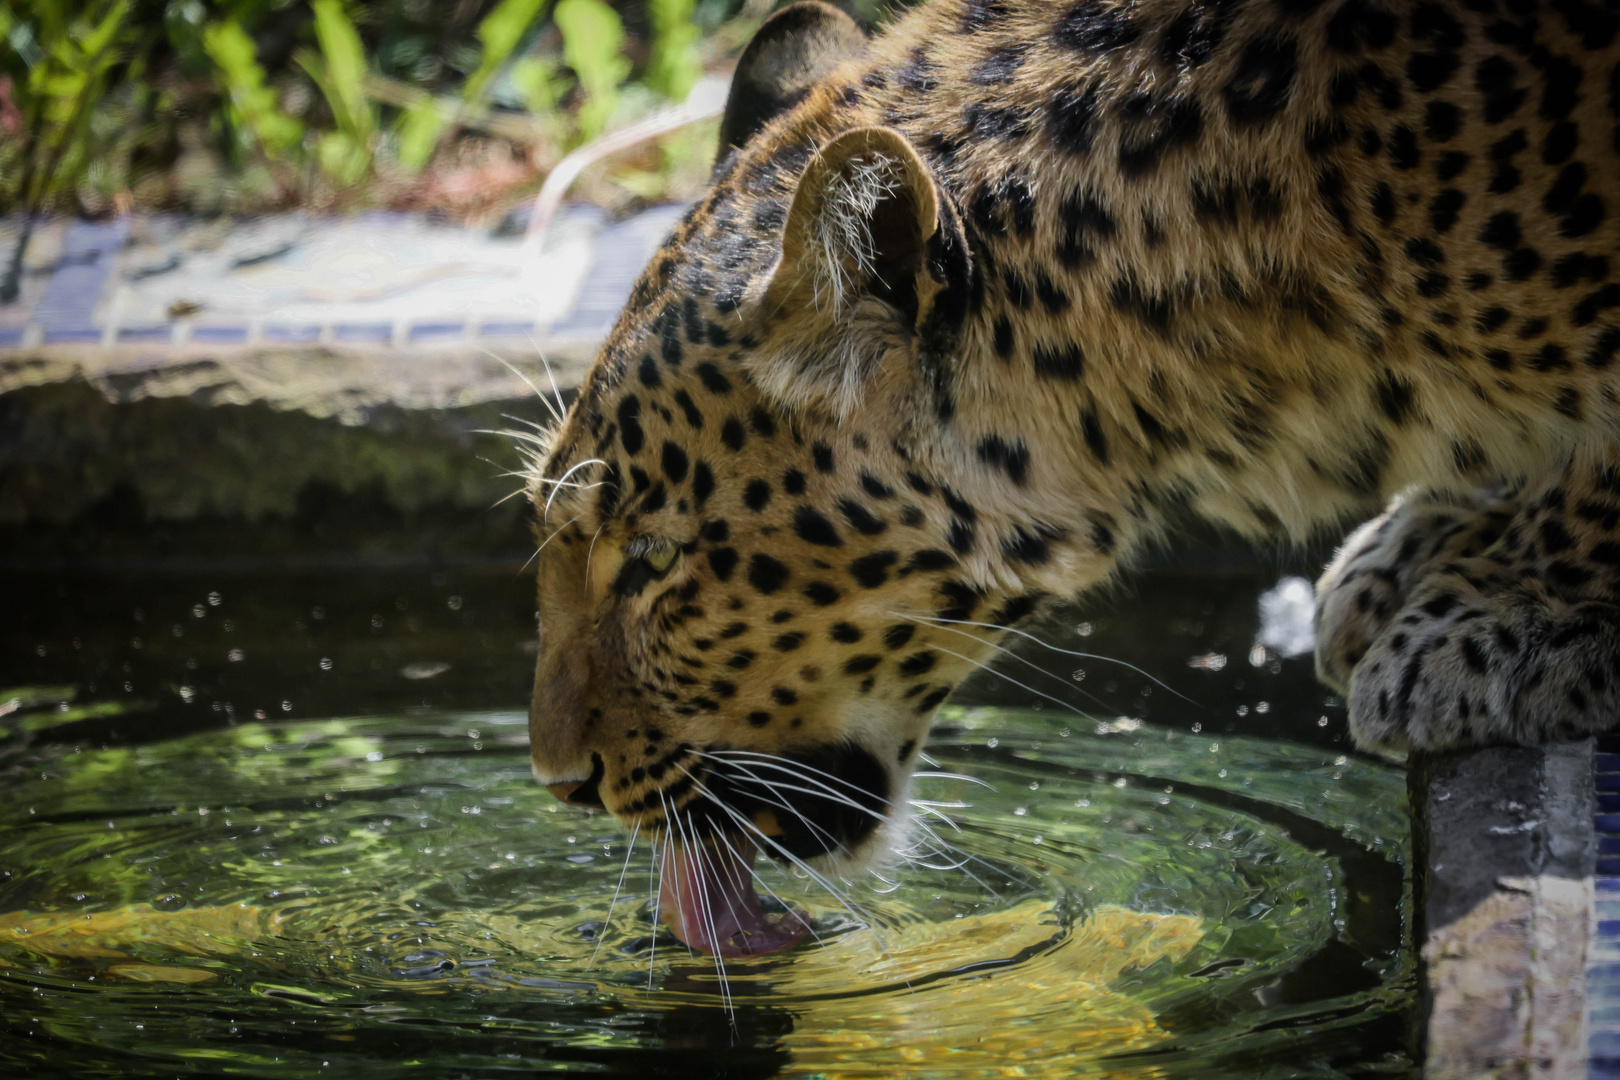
(395, 896)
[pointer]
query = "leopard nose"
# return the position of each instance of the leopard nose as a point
(582, 792)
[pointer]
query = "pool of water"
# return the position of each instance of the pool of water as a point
(282, 824)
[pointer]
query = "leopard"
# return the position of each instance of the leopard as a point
(978, 309)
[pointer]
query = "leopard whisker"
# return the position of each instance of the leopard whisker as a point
(590, 551)
(1022, 686)
(824, 793)
(670, 822)
(601, 935)
(1067, 652)
(954, 804)
(1001, 649)
(529, 382)
(759, 879)
(542, 429)
(749, 828)
(706, 910)
(780, 802)
(661, 860)
(548, 540)
(772, 760)
(545, 362)
(936, 775)
(572, 469)
(782, 762)
(735, 759)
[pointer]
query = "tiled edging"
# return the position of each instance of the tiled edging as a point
(88, 262)
(1603, 963)
(1505, 853)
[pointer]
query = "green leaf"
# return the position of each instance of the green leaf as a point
(341, 158)
(500, 32)
(537, 79)
(242, 79)
(592, 38)
(673, 67)
(345, 71)
(417, 135)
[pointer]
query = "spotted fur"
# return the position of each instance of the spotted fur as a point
(1027, 283)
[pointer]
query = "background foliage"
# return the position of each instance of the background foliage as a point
(246, 105)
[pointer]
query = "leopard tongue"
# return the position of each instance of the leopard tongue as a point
(708, 895)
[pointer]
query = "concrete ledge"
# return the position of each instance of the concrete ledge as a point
(1505, 855)
(285, 453)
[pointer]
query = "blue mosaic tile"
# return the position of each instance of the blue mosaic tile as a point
(291, 334)
(617, 256)
(506, 328)
(437, 331)
(1603, 977)
(373, 332)
(69, 304)
(145, 333)
(219, 335)
(73, 335)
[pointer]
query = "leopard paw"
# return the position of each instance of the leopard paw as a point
(1377, 566)
(1479, 656)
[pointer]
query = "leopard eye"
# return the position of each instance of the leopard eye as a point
(645, 559)
(662, 556)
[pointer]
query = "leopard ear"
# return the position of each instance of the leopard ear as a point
(788, 55)
(873, 260)
(861, 218)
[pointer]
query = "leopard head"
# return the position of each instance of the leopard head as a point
(757, 577)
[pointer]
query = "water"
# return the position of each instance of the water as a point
(187, 888)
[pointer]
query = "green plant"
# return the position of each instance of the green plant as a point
(240, 104)
(66, 60)
(593, 42)
(251, 105)
(673, 67)
(424, 122)
(339, 70)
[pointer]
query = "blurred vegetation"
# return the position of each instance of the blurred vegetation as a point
(459, 106)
